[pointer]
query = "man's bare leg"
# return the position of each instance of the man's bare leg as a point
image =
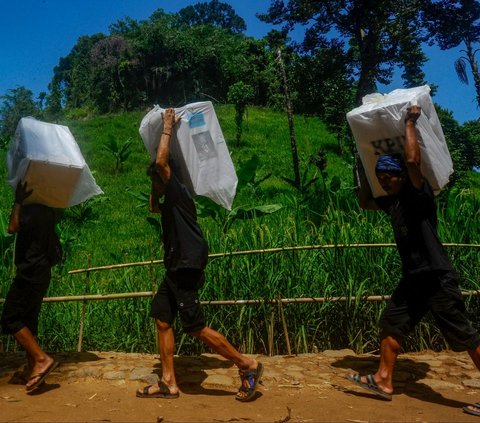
(475, 356)
(36, 356)
(221, 346)
(166, 341)
(389, 350)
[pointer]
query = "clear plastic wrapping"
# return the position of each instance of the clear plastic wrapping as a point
(47, 157)
(378, 127)
(199, 148)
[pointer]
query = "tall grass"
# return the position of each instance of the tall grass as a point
(115, 230)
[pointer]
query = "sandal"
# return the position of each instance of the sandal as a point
(250, 380)
(41, 376)
(473, 409)
(370, 385)
(163, 393)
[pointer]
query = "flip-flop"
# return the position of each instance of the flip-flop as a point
(42, 376)
(370, 386)
(472, 412)
(163, 393)
(250, 380)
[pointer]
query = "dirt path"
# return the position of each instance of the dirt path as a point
(307, 388)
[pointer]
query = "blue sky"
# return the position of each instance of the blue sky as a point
(34, 34)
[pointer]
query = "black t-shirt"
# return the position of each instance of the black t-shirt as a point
(36, 239)
(185, 246)
(414, 220)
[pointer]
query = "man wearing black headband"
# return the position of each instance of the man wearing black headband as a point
(428, 282)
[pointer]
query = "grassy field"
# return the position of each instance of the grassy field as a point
(113, 228)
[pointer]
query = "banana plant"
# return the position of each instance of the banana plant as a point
(120, 152)
(247, 177)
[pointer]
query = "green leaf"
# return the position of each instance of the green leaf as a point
(207, 208)
(142, 196)
(247, 172)
(254, 211)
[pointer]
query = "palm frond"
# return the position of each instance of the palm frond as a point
(461, 69)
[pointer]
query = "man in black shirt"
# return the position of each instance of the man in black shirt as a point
(429, 282)
(186, 253)
(36, 251)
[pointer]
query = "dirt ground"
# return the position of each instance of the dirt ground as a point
(100, 387)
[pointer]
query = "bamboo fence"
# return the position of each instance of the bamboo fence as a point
(85, 298)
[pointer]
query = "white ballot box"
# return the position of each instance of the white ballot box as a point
(378, 128)
(47, 157)
(199, 149)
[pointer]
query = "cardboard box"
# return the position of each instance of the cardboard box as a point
(198, 148)
(378, 128)
(48, 158)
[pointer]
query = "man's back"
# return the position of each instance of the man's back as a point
(35, 239)
(414, 221)
(185, 246)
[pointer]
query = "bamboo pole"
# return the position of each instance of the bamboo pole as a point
(302, 300)
(261, 251)
(271, 338)
(84, 307)
(154, 290)
(284, 324)
(291, 123)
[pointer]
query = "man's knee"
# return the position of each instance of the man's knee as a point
(393, 339)
(162, 326)
(197, 332)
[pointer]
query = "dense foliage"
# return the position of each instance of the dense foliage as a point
(267, 213)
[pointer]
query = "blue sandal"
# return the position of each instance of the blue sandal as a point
(250, 380)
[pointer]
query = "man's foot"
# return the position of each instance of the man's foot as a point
(368, 382)
(473, 409)
(39, 374)
(160, 390)
(250, 379)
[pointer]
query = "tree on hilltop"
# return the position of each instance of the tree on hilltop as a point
(17, 103)
(215, 13)
(375, 36)
(453, 23)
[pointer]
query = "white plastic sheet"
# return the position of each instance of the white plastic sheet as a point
(378, 127)
(47, 157)
(198, 146)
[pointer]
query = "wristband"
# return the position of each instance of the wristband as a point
(167, 133)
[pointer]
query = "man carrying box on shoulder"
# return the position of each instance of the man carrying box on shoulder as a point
(428, 282)
(37, 249)
(186, 253)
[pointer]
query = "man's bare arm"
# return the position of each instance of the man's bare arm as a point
(364, 192)
(21, 194)
(163, 150)
(412, 148)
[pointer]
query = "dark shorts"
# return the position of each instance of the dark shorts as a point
(23, 303)
(439, 293)
(179, 293)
